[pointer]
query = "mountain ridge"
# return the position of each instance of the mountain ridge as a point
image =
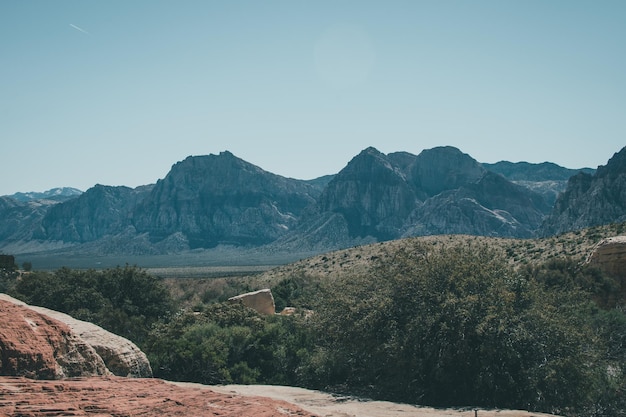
(221, 200)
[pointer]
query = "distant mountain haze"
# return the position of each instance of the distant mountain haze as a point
(223, 201)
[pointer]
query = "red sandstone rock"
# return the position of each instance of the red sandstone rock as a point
(121, 357)
(117, 396)
(37, 346)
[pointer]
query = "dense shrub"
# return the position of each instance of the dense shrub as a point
(125, 301)
(566, 274)
(227, 343)
(456, 326)
(295, 291)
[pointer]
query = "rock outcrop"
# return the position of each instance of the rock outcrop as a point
(35, 345)
(610, 256)
(262, 301)
(119, 356)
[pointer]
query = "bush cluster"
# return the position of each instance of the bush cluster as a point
(459, 326)
(229, 343)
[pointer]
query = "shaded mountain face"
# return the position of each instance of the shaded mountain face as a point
(441, 190)
(21, 221)
(371, 194)
(591, 200)
(221, 199)
(546, 178)
(98, 212)
(444, 168)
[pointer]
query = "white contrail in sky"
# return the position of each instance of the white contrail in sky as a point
(79, 29)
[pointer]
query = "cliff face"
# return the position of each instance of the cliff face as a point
(591, 200)
(371, 194)
(222, 199)
(442, 169)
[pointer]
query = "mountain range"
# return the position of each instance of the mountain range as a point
(213, 201)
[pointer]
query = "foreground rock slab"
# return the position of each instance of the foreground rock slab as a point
(328, 405)
(118, 396)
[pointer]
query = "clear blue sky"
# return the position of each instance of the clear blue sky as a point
(116, 92)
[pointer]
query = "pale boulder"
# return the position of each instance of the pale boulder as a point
(610, 256)
(262, 301)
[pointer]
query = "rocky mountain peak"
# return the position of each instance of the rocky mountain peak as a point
(615, 166)
(222, 199)
(591, 200)
(371, 194)
(444, 168)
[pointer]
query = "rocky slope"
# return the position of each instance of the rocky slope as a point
(546, 178)
(98, 212)
(591, 200)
